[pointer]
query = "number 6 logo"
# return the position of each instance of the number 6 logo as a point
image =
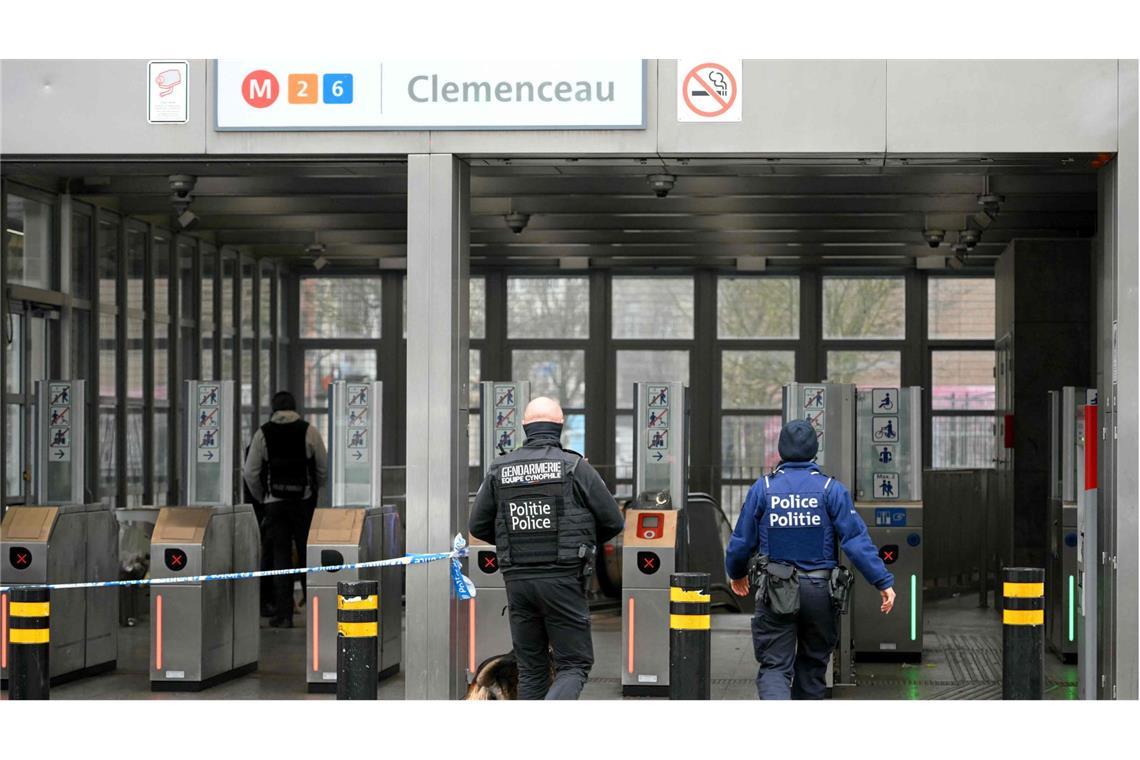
(337, 88)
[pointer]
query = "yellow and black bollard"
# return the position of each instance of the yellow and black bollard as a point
(29, 672)
(1023, 633)
(357, 616)
(690, 636)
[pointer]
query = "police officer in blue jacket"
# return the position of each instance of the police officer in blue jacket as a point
(793, 516)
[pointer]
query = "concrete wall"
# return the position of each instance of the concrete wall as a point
(839, 108)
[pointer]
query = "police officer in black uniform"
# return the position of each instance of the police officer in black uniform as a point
(546, 509)
(793, 519)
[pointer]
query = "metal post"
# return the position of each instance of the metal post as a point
(357, 616)
(1023, 633)
(690, 636)
(29, 676)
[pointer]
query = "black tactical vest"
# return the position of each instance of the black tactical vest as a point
(288, 469)
(539, 519)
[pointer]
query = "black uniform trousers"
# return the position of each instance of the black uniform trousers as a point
(550, 619)
(793, 650)
(286, 525)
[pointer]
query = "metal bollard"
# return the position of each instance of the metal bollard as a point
(357, 616)
(1023, 633)
(690, 636)
(29, 673)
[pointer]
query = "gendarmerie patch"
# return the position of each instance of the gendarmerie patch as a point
(530, 473)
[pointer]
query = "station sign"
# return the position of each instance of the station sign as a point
(347, 94)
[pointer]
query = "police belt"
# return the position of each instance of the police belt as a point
(825, 573)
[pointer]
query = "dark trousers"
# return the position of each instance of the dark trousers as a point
(284, 521)
(550, 619)
(793, 650)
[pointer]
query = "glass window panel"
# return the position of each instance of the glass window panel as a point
(14, 451)
(326, 365)
(81, 344)
(136, 267)
(266, 378)
(574, 433)
(160, 269)
(962, 441)
(961, 308)
(340, 307)
(755, 379)
(748, 445)
(652, 307)
(477, 309)
(29, 242)
(108, 241)
(266, 306)
(134, 358)
(14, 353)
(161, 364)
(732, 496)
(640, 366)
(247, 316)
(134, 449)
(866, 369)
(186, 361)
(548, 307)
(864, 307)
(962, 379)
(209, 266)
(246, 418)
(229, 268)
(161, 447)
(247, 372)
(207, 361)
(474, 455)
(758, 307)
(108, 485)
(82, 256)
(228, 358)
(319, 420)
(474, 375)
(107, 355)
(623, 446)
(187, 283)
(558, 374)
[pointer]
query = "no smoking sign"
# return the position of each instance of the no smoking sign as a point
(709, 90)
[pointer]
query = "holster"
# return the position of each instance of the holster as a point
(840, 586)
(587, 555)
(777, 585)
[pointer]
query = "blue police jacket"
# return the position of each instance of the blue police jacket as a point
(793, 515)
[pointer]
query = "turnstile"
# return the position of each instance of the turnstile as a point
(501, 407)
(1067, 423)
(339, 536)
(652, 543)
(202, 633)
(64, 541)
(66, 544)
(830, 409)
(888, 496)
(355, 528)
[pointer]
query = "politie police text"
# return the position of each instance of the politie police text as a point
(786, 518)
(527, 516)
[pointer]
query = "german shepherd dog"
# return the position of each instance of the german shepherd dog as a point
(497, 678)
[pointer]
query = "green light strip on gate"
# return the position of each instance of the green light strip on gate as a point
(913, 608)
(1072, 603)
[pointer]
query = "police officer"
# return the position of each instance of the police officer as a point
(545, 509)
(294, 454)
(792, 517)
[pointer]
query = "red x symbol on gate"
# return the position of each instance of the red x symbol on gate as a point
(888, 555)
(647, 563)
(489, 562)
(176, 559)
(21, 559)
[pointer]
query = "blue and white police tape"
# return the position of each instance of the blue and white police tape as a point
(464, 588)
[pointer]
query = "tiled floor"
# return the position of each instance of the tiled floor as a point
(962, 661)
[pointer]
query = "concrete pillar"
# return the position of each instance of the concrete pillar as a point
(437, 417)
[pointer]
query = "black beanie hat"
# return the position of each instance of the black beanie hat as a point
(798, 442)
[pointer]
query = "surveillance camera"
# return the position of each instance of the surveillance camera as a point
(991, 203)
(969, 237)
(661, 183)
(934, 237)
(517, 221)
(182, 184)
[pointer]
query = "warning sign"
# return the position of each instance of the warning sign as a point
(357, 394)
(658, 418)
(357, 416)
(504, 418)
(504, 396)
(709, 90)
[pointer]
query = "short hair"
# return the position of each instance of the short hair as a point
(283, 401)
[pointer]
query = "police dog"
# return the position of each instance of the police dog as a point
(497, 678)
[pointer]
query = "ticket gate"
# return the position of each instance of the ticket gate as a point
(1067, 425)
(206, 632)
(63, 540)
(888, 496)
(652, 547)
(501, 406)
(356, 527)
(339, 536)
